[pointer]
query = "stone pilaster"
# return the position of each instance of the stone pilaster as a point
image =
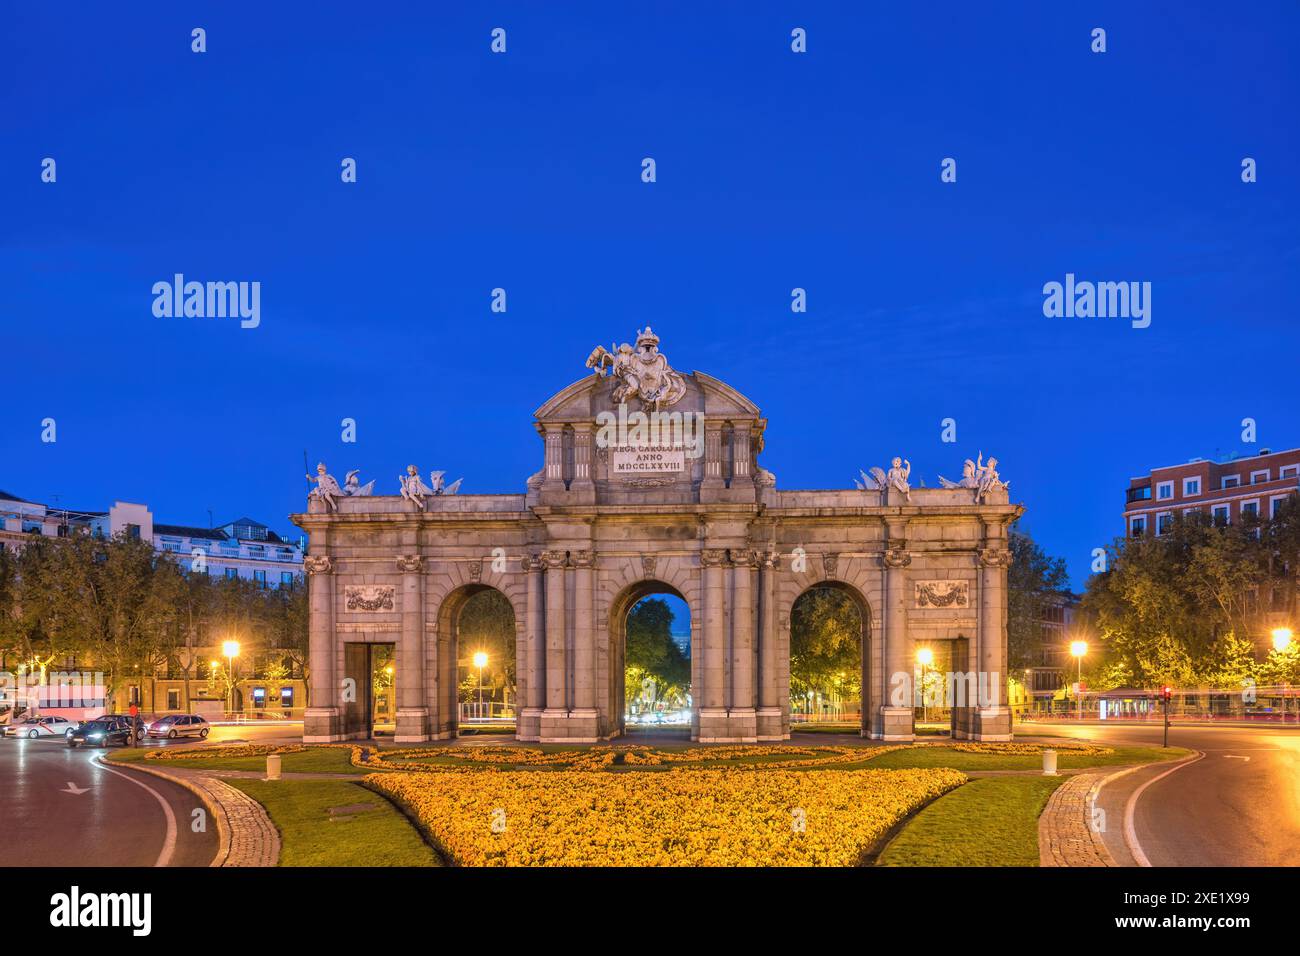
(412, 706)
(992, 717)
(896, 722)
(742, 713)
(713, 480)
(322, 721)
(584, 719)
(713, 674)
(531, 664)
(768, 722)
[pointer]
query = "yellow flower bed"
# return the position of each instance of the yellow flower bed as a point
(224, 753)
(715, 817)
(1032, 750)
(604, 757)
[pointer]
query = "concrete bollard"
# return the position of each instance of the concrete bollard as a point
(1049, 763)
(273, 766)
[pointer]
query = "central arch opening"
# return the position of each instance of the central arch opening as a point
(828, 657)
(651, 663)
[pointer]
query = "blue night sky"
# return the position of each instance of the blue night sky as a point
(522, 170)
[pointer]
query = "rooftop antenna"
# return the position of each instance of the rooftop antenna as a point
(209, 519)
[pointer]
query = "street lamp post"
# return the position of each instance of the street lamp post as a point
(924, 657)
(1281, 641)
(1078, 649)
(480, 661)
(230, 650)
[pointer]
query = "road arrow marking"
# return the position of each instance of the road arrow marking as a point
(73, 788)
(1237, 757)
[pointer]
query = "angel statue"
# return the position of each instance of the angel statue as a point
(968, 479)
(353, 488)
(440, 487)
(899, 470)
(413, 489)
(327, 488)
(987, 476)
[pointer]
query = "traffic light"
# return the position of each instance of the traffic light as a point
(1166, 692)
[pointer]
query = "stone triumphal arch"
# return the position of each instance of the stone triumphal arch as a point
(650, 482)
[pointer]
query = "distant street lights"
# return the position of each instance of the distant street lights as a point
(480, 661)
(1077, 650)
(924, 657)
(1281, 638)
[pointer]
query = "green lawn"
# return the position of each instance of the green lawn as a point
(988, 822)
(947, 757)
(311, 836)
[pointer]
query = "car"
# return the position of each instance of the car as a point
(103, 731)
(34, 727)
(179, 725)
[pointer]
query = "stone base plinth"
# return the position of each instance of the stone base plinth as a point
(769, 726)
(322, 725)
(528, 725)
(727, 727)
(896, 723)
(412, 726)
(990, 723)
(569, 727)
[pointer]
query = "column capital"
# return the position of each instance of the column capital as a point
(995, 558)
(553, 559)
(771, 560)
(897, 557)
(409, 563)
(744, 558)
(318, 564)
(584, 559)
(713, 557)
(532, 563)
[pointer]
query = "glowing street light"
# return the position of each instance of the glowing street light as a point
(1281, 638)
(230, 650)
(924, 657)
(1078, 649)
(480, 661)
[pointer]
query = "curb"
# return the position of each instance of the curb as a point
(211, 792)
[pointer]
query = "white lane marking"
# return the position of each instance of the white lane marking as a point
(169, 842)
(1235, 757)
(1130, 835)
(74, 789)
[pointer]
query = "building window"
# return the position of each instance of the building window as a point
(1164, 490)
(1164, 522)
(259, 697)
(1222, 517)
(173, 699)
(286, 696)
(1276, 505)
(1289, 471)
(286, 579)
(1256, 477)
(1138, 525)
(133, 532)
(260, 577)
(1191, 486)
(1230, 481)
(232, 573)
(1250, 507)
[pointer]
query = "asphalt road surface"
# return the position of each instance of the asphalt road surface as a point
(63, 808)
(1238, 805)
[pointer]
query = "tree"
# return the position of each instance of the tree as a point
(652, 653)
(1035, 583)
(826, 644)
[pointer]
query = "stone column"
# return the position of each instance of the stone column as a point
(992, 716)
(741, 712)
(584, 718)
(713, 674)
(531, 665)
(768, 722)
(740, 454)
(553, 469)
(896, 721)
(713, 479)
(412, 706)
(555, 716)
(322, 722)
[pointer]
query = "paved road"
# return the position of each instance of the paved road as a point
(1239, 805)
(120, 819)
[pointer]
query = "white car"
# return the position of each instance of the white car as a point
(34, 727)
(179, 725)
